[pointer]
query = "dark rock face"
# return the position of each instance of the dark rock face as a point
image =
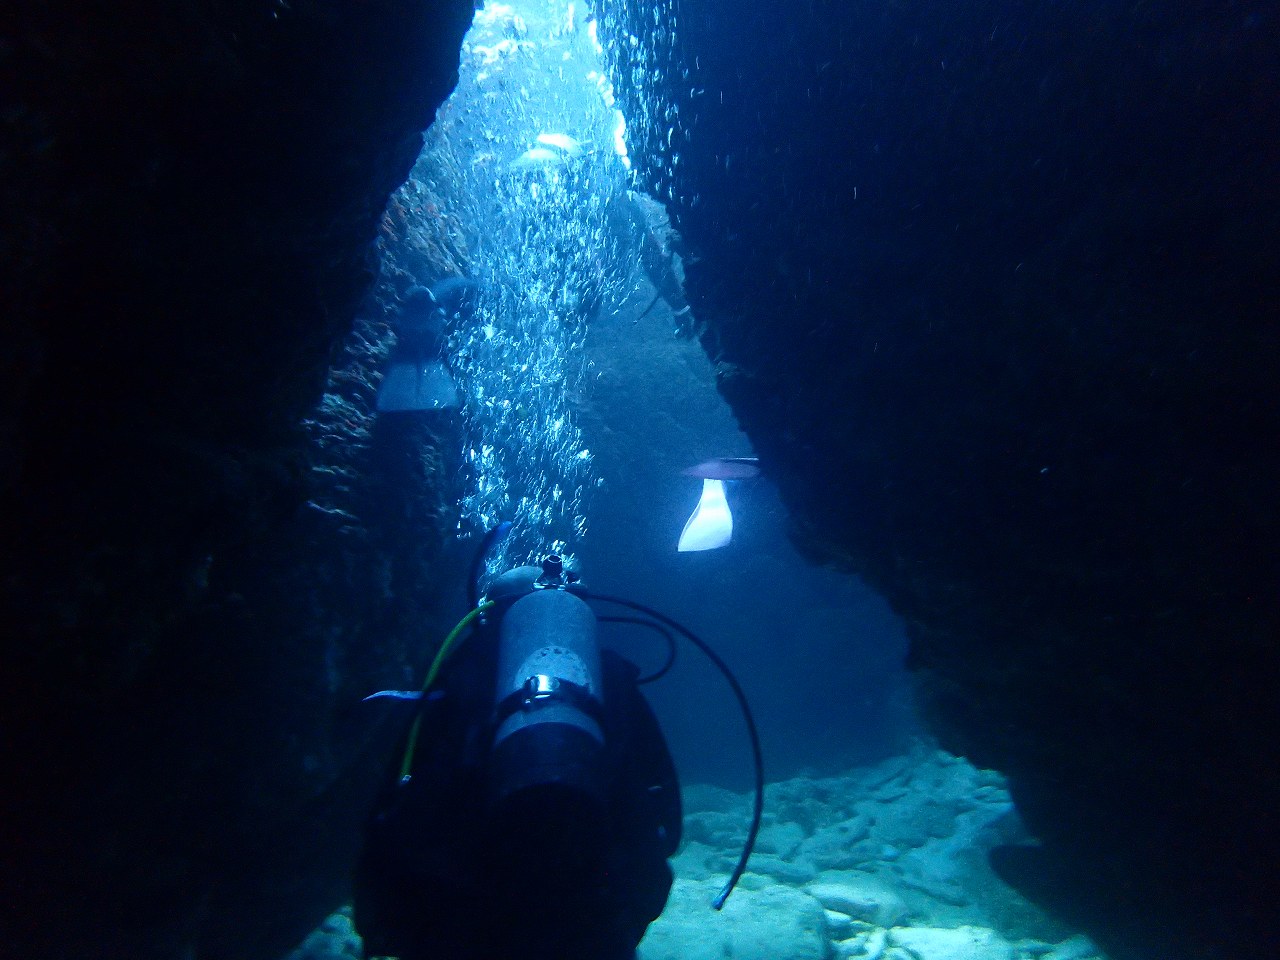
(992, 290)
(189, 195)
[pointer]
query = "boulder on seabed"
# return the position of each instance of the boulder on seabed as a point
(867, 945)
(839, 846)
(839, 925)
(962, 943)
(781, 839)
(714, 828)
(335, 939)
(860, 896)
(697, 861)
(909, 824)
(796, 872)
(1078, 947)
(775, 923)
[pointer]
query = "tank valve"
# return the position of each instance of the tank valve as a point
(552, 571)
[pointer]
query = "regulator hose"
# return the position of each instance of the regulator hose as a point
(663, 670)
(711, 655)
(406, 763)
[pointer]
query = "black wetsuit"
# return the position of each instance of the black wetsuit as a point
(420, 331)
(440, 879)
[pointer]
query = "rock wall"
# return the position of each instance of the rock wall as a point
(991, 288)
(197, 589)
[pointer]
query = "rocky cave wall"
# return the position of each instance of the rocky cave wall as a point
(197, 587)
(987, 284)
(992, 289)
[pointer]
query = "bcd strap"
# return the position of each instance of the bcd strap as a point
(542, 690)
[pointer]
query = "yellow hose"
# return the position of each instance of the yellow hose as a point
(436, 664)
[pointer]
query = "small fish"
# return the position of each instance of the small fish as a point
(562, 142)
(537, 158)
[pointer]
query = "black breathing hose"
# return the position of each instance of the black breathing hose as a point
(758, 810)
(663, 670)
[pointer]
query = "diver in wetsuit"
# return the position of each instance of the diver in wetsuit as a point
(415, 377)
(536, 804)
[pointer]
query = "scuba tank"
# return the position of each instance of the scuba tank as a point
(545, 761)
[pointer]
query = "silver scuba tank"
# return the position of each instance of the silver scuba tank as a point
(549, 694)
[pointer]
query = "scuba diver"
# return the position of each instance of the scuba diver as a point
(535, 805)
(415, 377)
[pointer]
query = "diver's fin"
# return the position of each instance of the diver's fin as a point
(711, 524)
(416, 386)
(726, 468)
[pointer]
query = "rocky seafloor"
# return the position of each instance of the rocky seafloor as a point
(887, 862)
